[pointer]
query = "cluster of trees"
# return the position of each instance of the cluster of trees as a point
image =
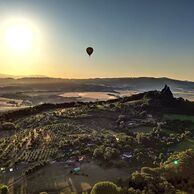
(173, 176)
(148, 181)
(146, 148)
(180, 173)
(106, 153)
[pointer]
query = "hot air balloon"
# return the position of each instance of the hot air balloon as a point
(89, 50)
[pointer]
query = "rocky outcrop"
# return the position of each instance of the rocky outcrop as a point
(166, 93)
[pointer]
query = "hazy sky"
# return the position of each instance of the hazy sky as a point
(130, 38)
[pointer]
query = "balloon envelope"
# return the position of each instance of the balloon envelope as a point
(89, 50)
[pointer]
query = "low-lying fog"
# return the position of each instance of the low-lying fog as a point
(35, 98)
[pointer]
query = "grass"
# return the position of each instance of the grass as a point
(179, 117)
(56, 177)
(141, 129)
(186, 144)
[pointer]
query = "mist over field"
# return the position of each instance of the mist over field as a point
(24, 92)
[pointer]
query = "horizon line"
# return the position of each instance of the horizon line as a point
(15, 77)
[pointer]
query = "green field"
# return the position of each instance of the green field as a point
(178, 117)
(187, 144)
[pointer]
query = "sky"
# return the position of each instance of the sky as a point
(131, 38)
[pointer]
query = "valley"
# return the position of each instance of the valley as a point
(116, 134)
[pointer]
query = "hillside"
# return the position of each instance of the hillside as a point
(125, 133)
(23, 92)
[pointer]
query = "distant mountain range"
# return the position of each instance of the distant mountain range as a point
(7, 76)
(97, 84)
(16, 77)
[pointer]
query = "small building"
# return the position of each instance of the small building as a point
(127, 155)
(90, 144)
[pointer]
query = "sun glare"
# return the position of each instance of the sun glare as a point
(19, 37)
(23, 45)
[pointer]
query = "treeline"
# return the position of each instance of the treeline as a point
(47, 106)
(35, 167)
(35, 110)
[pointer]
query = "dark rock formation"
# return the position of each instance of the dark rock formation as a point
(166, 92)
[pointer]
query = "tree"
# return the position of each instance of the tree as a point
(3, 189)
(106, 188)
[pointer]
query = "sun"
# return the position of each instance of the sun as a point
(19, 37)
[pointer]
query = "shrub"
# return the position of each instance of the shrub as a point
(3, 189)
(8, 126)
(105, 188)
